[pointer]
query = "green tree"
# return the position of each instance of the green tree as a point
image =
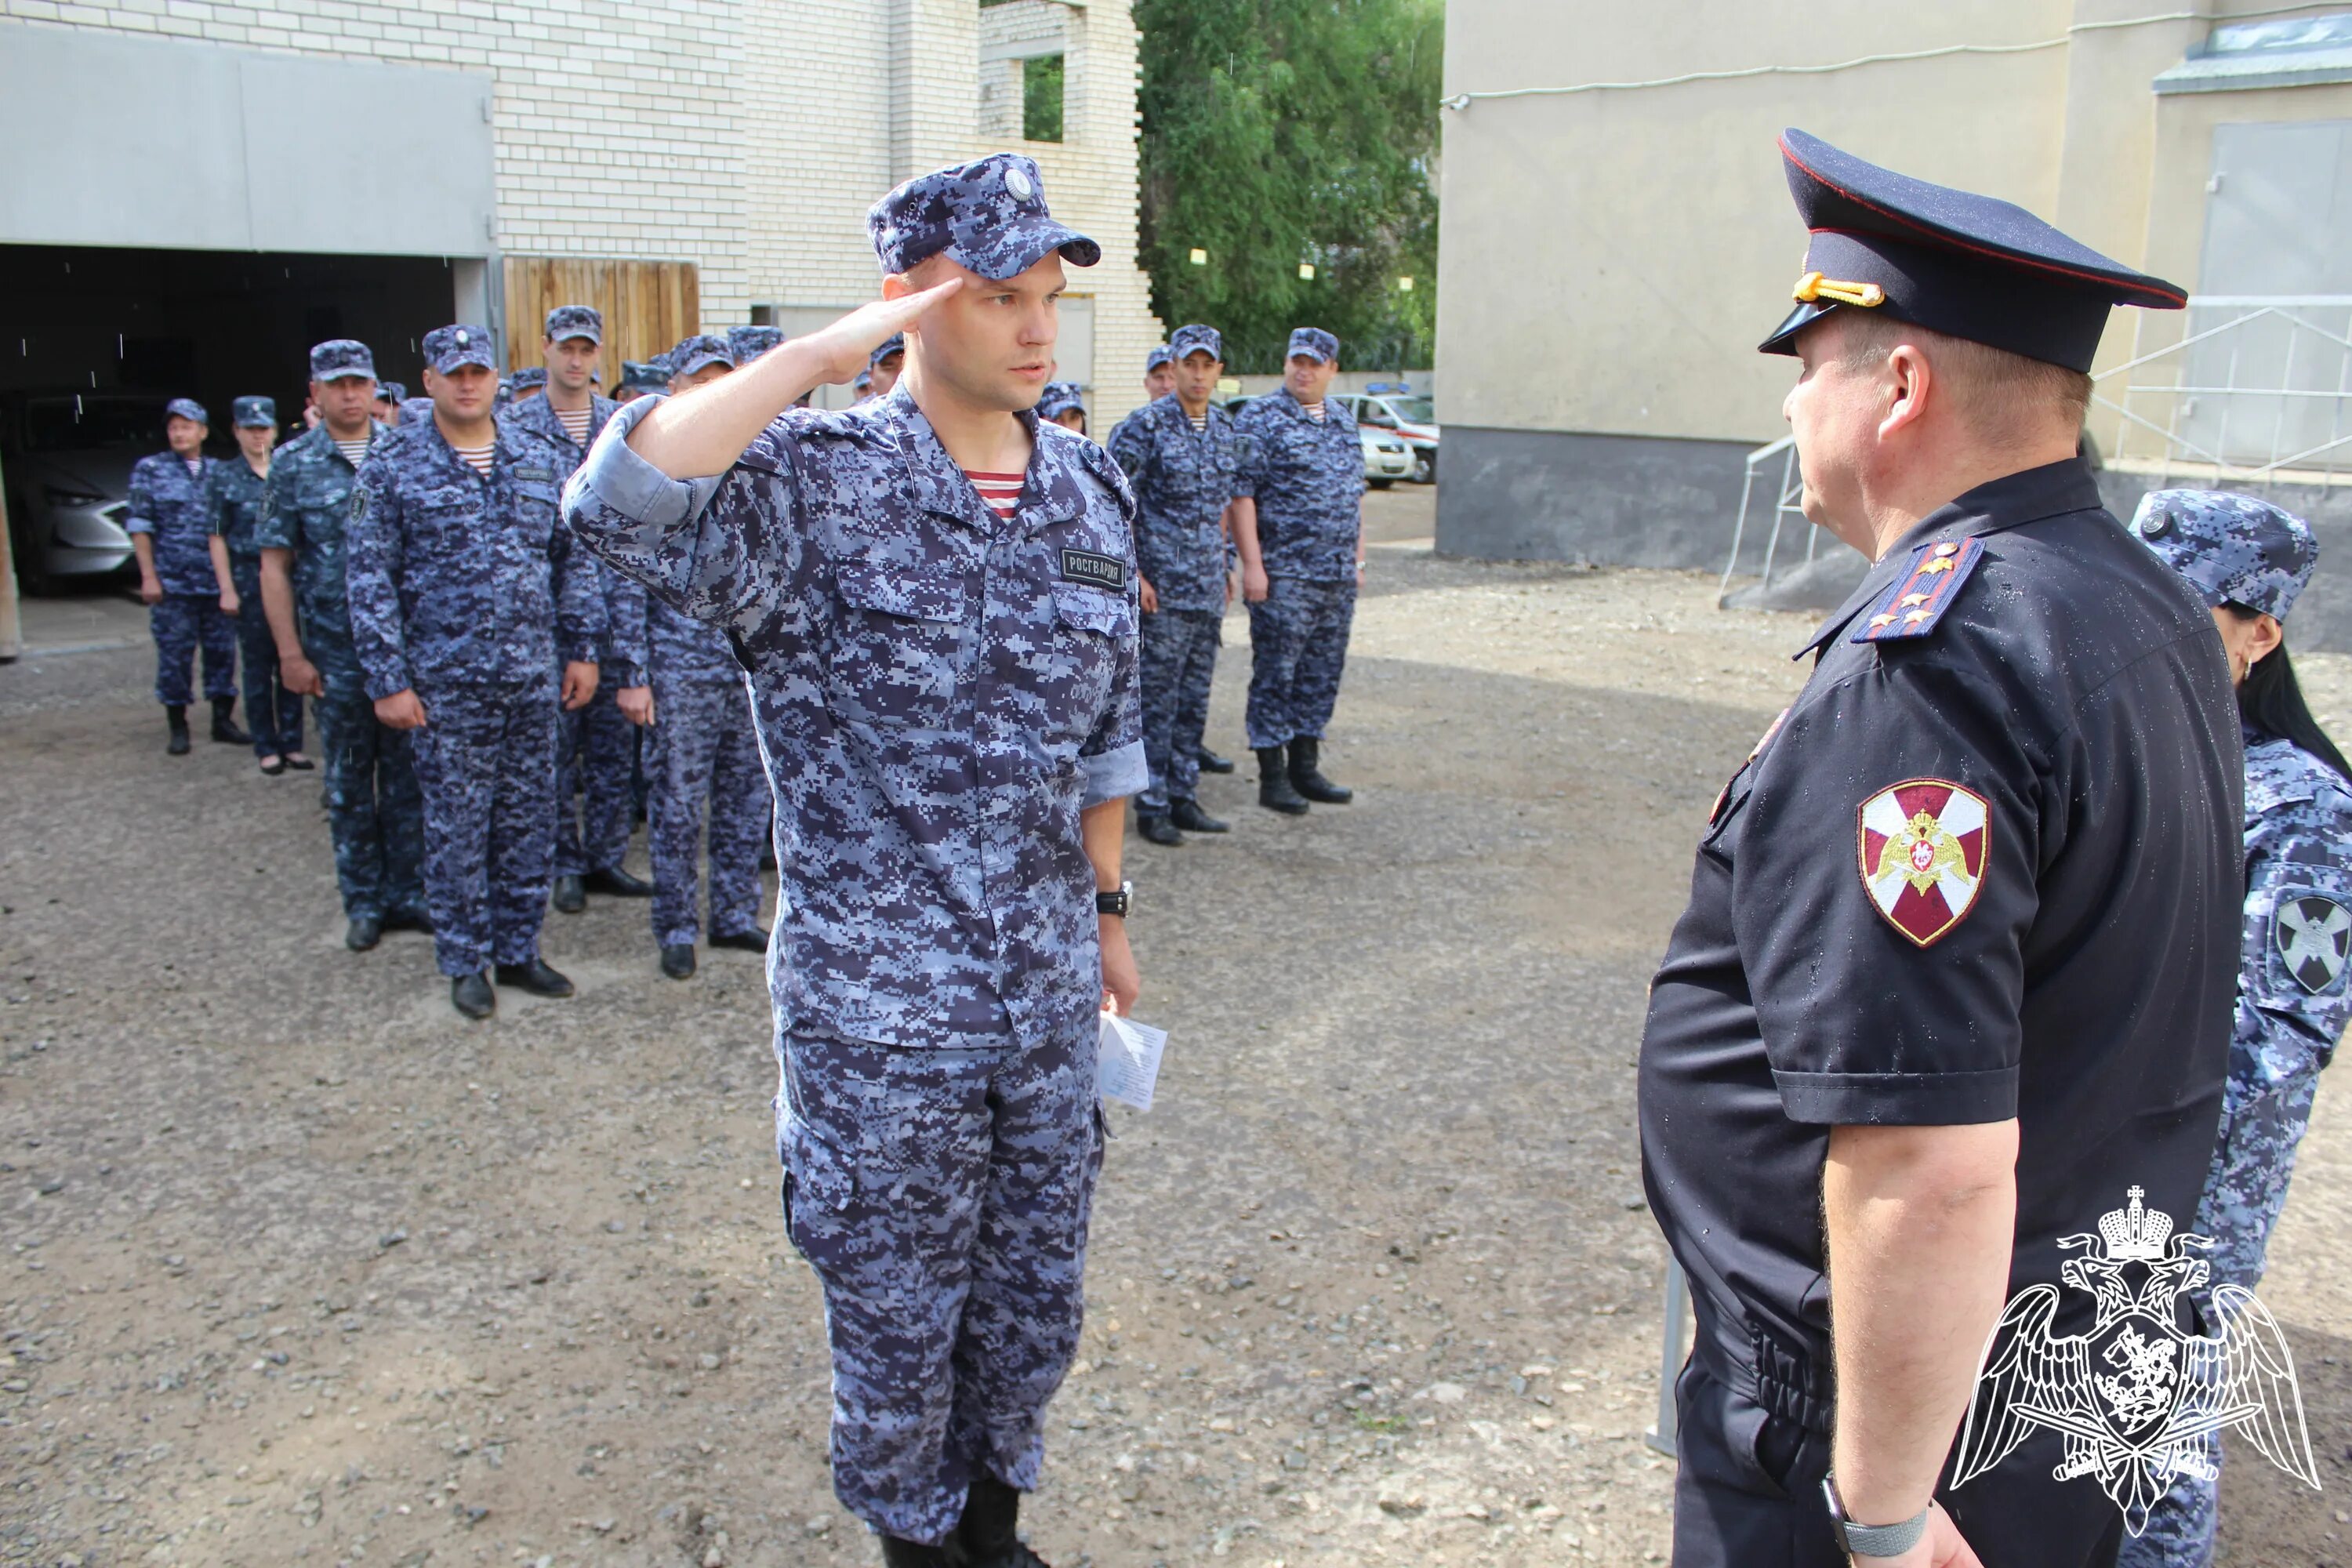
(1278, 132)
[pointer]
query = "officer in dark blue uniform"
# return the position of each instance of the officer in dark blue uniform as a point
(238, 490)
(1956, 972)
(188, 594)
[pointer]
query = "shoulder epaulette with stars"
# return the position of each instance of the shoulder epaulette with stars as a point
(1920, 597)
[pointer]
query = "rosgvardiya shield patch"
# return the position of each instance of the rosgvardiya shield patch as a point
(2313, 935)
(1923, 844)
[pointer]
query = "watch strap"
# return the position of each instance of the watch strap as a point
(1874, 1540)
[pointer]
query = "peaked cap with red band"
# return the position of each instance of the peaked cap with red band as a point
(1948, 260)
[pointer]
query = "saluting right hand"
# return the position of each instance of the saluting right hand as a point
(845, 344)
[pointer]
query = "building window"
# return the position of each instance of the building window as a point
(1041, 98)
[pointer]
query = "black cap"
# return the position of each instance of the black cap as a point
(1948, 260)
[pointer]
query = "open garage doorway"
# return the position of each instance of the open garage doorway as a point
(95, 339)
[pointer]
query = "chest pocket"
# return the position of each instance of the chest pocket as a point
(536, 506)
(1088, 626)
(445, 521)
(899, 645)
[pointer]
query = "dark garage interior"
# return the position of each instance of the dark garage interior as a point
(94, 341)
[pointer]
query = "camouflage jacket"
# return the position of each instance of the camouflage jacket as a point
(939, 693)
(462, 582)
(2294, 996)
(234, 495)
(1308, 478)
(172, 506)
(624, 661)
(303, 508)
(1182, 480)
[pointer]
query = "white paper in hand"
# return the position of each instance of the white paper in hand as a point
(1129, 1060)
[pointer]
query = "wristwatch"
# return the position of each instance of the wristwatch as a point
(1115, 903)
(1872, 1540)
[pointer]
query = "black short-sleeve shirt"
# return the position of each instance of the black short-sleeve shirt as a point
(1992, 870)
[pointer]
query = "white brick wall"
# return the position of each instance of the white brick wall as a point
(747, 136)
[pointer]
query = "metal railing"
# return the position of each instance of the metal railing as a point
(2255, 390)
(1786, 504)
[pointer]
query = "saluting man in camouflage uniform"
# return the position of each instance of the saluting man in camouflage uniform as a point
(1299, 524)
(596, 746)
(188, 595)
(2249, 560)
(464, 587)
(238, 490)
(1182, 456)
(375, 814)
(935, 596)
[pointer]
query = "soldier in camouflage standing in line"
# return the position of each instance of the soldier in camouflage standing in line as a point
(2249, 561)
(934, 594)
(1299, 524)
(596, 746)
(1159, 372)
(188, 595)
(465, 588)
(375, 814)
(1182, 456)
(235, 501)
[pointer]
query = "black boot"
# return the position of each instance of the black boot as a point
(471, 994)
(1273, 790)
(571, 897)
(612, 880)
(1210, 762)
(538, 977)
(224, 728)
(1157, 829)
(175, 719)
(1308, 780)
(678, 960)
(988, 1536)
(898, 1553)
(1188, 815)
(364, 932)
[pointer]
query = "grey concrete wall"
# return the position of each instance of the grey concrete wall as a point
(1624, 500)
(161, 142)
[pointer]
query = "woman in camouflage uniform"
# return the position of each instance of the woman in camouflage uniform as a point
(2249, 560)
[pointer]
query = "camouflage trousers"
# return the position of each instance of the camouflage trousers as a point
(705, 755)
(941, 1196)
(1298, 647)
(375, 813)
(2262, 1123)
(595, 755)
(181, 623)
(1179, 659)
(272, 713)
(485, 759)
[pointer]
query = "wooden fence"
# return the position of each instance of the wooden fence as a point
(647, 305)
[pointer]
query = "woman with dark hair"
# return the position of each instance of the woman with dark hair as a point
(2249, 560)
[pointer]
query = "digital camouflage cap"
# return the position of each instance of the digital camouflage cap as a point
(988, 215)
(2233, 549)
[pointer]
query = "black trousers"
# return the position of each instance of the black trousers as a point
(1747, 1494)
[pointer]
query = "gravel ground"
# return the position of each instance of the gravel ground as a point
(301, 1268)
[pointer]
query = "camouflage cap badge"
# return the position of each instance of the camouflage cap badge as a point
(530, 377)
(446, 348)
(988, 216)
(339, 357)
(576, 321)
(692, 354)
(1058, 398)
(745, 345)
(254, 413)
(186, 408)
(1314, 343)
(1161, 354)
(2233, 549)
(1198, 339)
